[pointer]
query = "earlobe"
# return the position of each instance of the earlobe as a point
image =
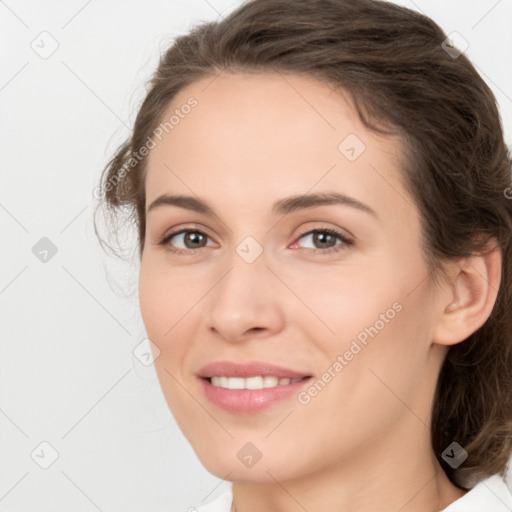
(470, 297)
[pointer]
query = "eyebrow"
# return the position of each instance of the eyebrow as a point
(281, 207)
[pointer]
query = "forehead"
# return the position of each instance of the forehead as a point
(251, 136)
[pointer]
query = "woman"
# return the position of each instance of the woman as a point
(319, 188)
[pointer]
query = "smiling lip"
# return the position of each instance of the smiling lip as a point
(252, 369)
(248, 400)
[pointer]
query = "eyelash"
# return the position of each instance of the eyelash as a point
(346, 242)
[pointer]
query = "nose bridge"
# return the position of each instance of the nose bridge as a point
(243, 299)
(241, 289)
(246, 263)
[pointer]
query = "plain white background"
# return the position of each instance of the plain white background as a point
(70, 324)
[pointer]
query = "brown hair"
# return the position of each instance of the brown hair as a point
(402, 80)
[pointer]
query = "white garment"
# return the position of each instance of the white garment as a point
(490, 495)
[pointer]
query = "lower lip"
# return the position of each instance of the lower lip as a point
(249, 400)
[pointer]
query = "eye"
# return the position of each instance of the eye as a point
(185, 240)
(325, 240)
(193, 240)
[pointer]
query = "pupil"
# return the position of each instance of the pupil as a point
(191, 239)
(322, 239)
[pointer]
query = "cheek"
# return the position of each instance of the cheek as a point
(380, 350)
(165, 299)
(165, 304)
(166, 292)
(370, 370)
(340, 302)
(152, 297)
(369, 312)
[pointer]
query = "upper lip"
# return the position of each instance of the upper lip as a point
(250, 369)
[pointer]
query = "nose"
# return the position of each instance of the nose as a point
(245, 302)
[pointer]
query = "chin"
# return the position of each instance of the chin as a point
(236, 471)
(236, 461)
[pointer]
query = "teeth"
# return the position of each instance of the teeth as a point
(253, 383)
(270, 382)
(258, 382)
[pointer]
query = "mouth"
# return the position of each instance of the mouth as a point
(249, 388)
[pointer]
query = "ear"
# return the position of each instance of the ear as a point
(468, 298)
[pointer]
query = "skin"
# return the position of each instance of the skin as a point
(363, 442)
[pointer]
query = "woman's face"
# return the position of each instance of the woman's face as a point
(295, 245)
